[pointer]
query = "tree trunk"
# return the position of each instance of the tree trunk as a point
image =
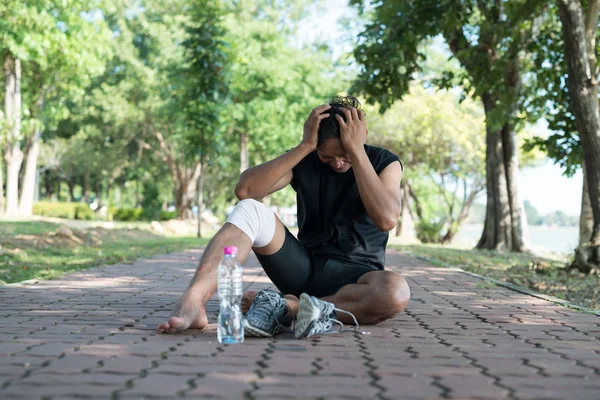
(14, 155)
(138, 197)
(583, 93)
(86, 186)
(406, 227)
(454, 225)
(71, 185)
(1, 182)
(503, 229)
(244, 164)
(28, 187)
(28, 190)
(586, 219)
(48, 190)
(517, 210)
(186, 190)
(400, 221)
(200, 199)
(98, 190)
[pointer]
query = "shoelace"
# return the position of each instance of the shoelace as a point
(329, 332)
(266, 312)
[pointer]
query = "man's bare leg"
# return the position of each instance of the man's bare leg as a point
(377, 296)
(189, 311)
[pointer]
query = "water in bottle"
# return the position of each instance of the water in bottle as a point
(231, 320)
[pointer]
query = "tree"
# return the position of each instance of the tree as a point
(552, 102)
(489, 39)
(205, 88)
(57, 47)
(441, 144)
(274, 84)
(533, 216)
(13, 154)
(579, 33)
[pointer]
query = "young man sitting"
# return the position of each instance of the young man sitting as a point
(348, 196)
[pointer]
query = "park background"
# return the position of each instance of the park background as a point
(124, 123)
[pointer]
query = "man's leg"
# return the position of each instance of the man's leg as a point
(189, 311)
(375, 297)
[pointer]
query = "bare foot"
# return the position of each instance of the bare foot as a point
(247, 300)
(189, 313)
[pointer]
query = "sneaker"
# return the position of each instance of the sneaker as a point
(316, 317)
(267, 315)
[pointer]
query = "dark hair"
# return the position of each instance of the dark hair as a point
(329, 128)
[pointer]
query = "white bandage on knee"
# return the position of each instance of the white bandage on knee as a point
(256, 220)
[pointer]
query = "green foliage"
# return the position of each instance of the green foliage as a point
(128, 214)
(532, 214)
(64, 210)
(140, 214)
(441, 144)
(84, 212)
(55, 210)
(557, 218)
(429, 232)
(167, 215)
(551, 100)
(151, 203)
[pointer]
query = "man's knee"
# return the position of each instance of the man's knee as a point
(255, 219)
(394, 293)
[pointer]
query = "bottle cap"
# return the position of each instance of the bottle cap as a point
(230, 250)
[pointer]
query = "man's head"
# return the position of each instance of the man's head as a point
(329, 145)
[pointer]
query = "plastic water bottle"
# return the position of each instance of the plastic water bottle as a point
(231, 320)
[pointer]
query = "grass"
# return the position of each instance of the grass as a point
(32, 250)
(540, 274)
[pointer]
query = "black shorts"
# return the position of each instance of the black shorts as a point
(294, 271)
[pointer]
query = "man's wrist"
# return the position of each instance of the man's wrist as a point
(306, 147)
(356, 150)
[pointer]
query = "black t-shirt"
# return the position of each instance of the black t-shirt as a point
(332, 218)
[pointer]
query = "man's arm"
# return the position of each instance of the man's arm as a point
(379, 193)
(262, 180)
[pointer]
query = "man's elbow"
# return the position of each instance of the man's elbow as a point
(386, 224)
(241, 192)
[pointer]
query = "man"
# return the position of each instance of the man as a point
(348, 199)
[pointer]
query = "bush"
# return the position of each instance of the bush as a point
(429, 232)
(54, 210)
(84, 212)
(128, 214)
(151, 203)
(64, 210)
(167, 215)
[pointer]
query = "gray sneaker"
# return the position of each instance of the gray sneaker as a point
(268, 315)
(316, 317)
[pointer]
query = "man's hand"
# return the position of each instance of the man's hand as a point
(353, 131)
(311, 126)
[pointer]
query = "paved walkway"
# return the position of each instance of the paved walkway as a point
(91, 335)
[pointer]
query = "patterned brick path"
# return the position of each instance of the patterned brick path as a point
(91, 335)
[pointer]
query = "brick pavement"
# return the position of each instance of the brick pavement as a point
(91, 335)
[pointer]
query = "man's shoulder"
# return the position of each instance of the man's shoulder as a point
(381, 157)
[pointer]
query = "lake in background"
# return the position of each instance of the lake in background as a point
(542, 239)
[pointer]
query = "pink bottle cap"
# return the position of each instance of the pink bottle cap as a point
(230, 250)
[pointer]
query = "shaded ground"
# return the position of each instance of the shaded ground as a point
(91, 335)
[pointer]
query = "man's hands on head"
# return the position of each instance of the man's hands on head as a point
(353, 131)
(311, 126)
